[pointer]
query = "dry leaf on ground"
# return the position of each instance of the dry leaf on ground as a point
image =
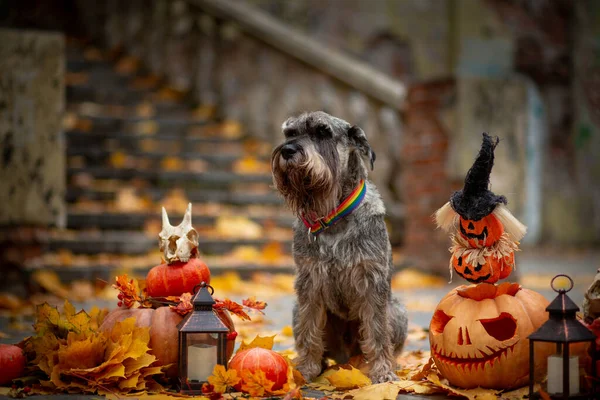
(78, 358)
(50, 281)
(9, 301)
(408, 279)
(471, 394)
(348, 377)
(222, 379)
(256, 383)
(380, 391)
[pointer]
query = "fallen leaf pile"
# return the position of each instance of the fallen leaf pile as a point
(77, 358)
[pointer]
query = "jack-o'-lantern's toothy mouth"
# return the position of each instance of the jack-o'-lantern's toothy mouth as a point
(472, 235)
(475, 362)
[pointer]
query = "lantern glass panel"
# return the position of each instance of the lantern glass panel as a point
(202, 351)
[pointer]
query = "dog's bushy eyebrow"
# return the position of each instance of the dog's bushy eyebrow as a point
(290, 132)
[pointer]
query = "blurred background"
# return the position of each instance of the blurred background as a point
(111, 109)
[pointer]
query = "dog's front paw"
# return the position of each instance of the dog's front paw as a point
(384, 376)
(309, 370)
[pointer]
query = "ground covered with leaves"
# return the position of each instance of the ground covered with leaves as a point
(68, 353)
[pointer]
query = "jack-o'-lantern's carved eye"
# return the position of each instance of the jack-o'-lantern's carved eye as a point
(500, 328)
(439, 321)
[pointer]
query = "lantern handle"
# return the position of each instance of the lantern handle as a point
(204, 284)
(561, 290)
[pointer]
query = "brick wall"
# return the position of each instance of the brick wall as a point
(426, 185)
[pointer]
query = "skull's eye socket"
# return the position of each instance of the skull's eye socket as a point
(500, 328)
(173, 243)
(439, 321)
(192, 235)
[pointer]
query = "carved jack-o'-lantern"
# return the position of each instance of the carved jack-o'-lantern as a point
(484, 232)
(490, 270)
(478, 335)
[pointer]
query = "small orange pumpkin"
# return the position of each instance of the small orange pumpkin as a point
(271, 363)
(482, 233)
(491, 271)
(478, 335)
(176, 278)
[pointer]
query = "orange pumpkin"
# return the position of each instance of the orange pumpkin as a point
(164, 335)
(12, 363)
(491, 271)
(478, 335)
(482, 233)
(271, 363)
(176, 278)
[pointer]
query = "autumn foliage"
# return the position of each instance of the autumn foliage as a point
(77, 357)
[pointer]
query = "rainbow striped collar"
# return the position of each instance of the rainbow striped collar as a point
(345, 208)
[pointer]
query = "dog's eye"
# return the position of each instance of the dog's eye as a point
(324, 131)
(288, 133)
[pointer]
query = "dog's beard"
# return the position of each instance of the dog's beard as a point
(308, 183)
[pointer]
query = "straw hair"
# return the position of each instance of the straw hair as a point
(446, 218)
(512, 226)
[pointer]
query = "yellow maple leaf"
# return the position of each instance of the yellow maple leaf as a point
(259, 341)
(50, 281)
(287, 331)
(471, 394)
(47, 318)
(256, 383)
(418, 387)
(380, 391)
(348, 378)
(81, 351)
(321, 382)
(221, 378)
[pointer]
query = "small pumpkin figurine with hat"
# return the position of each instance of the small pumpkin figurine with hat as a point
(484, 233)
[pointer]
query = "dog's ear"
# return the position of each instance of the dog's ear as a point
(359, 140)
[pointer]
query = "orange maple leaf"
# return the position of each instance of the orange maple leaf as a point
(256, 383)
(232, 307)
(222, 379)
(294, 394)
(129, 291)
(185, 305)
(254, 304)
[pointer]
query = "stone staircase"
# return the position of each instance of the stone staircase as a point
(134, 145)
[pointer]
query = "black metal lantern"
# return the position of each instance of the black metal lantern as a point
(202, 342)
(563, 329)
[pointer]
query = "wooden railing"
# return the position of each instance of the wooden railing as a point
(269, 30)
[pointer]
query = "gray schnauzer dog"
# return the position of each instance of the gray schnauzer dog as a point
(341, 248)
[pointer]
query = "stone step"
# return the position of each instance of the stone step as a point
(195, 196)
(174, 121)
(133, 242)
(172, 178)
(106, 94)
(137, 221)
(147, 109)
(108, 138)
(101, 156)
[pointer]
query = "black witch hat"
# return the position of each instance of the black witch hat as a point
(475, 200)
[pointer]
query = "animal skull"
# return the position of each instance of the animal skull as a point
(178, 243)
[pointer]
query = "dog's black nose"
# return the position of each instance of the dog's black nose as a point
(288, 150)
